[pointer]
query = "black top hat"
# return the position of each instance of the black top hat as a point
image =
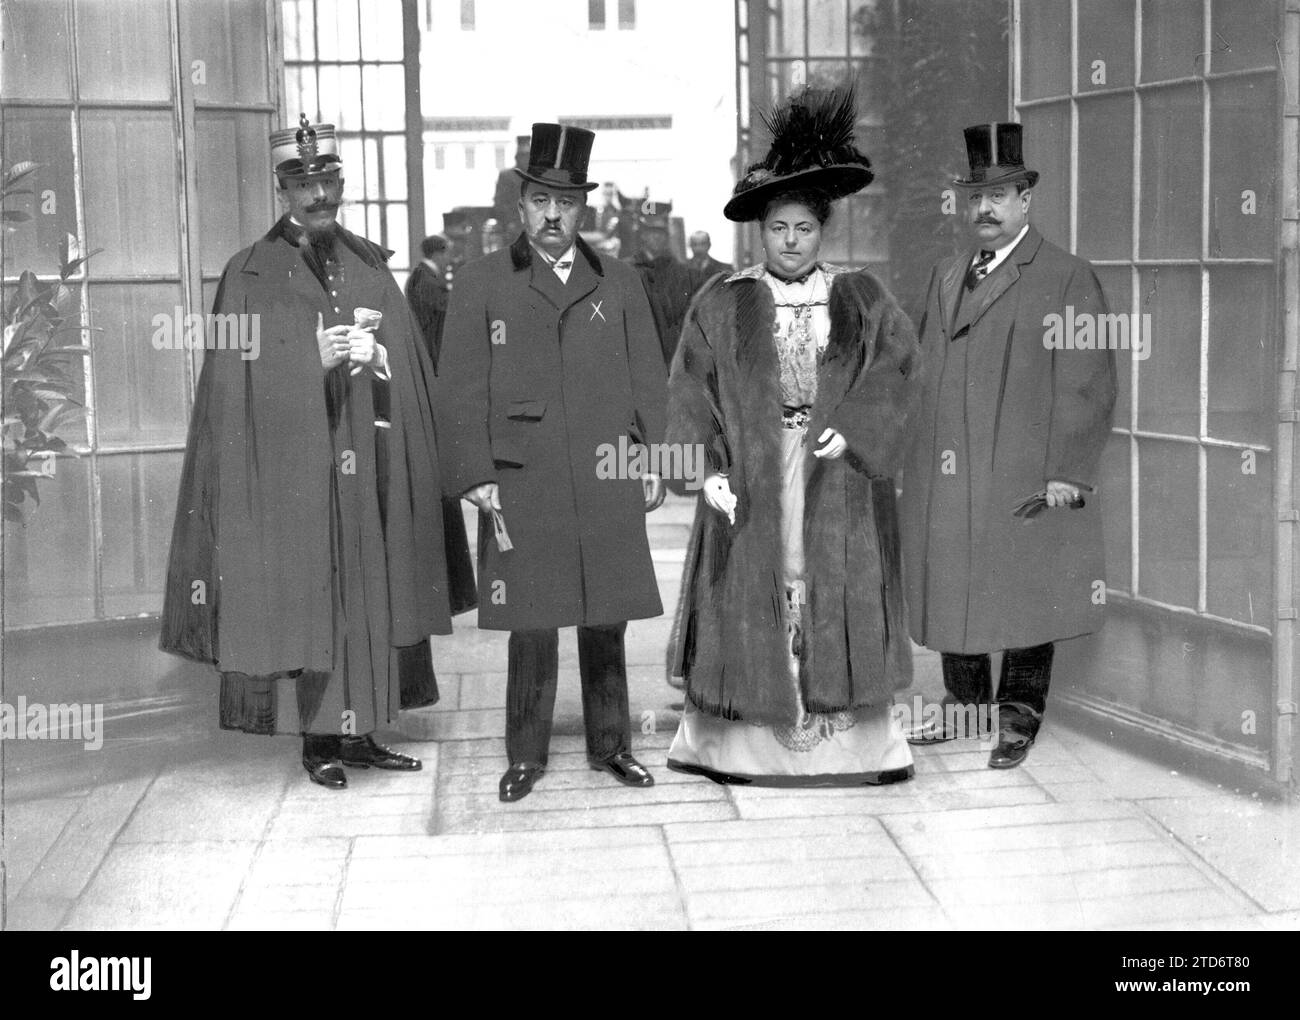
(994, 151)
(812, 149)
(559, 157)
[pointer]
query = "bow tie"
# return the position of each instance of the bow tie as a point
(979, 269)
(564, 265)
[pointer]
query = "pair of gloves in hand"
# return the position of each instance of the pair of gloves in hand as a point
(355, 343)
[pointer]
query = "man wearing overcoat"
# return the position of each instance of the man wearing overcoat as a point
(307, 560)
(551, 361)
(1000, 514)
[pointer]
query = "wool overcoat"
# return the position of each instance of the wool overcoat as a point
(725, 394)
(1003, 413)
(543, 379)
(286, 521)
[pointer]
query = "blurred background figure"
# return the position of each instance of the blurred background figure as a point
(427, 289)
(505, 201)
(701, 260)
(669, 284)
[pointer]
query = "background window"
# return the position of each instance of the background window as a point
(596, 14)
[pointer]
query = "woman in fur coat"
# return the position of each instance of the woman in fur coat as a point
(795, 378)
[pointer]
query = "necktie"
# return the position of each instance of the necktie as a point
(979, 269)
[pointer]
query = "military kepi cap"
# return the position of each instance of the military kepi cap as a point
(559, 157)
(305, 150)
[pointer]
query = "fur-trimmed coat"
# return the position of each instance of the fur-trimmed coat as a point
(725, 393)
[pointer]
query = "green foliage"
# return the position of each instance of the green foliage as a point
(41, 359)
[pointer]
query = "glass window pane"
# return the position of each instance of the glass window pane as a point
(596, 14)
(338, 31)
(381, 32)
(1106, 177)
(1173, 43)
(1117, 285)
(1167, 482)
(1047, 150)
(131, 199)
(37, 60)
(299, 29)
(872, 92)
(385, 98)
(398, 236)
(234, 183)
(1169, 380)
(44, 137)
(395, 165)
(301, 94)
(229, 36)
(1116, 495)
(374, 187)
(786, 30)
(1045, 49)
(124, 49)
(827, 74)
(347, 110)
(352, 153)
(1242, 362)
(1243, 33)
(1238, 535)
(138, 504)
(375, 222)
(627, 14)
(49, 564)
(827, 25)
(1243, 159)
(1105, 36)
(141, 390)
(1171, 173)
(868, 21)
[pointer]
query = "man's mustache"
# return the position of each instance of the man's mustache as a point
(322, 207)
(990, 220)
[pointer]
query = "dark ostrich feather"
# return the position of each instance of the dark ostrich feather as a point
(814, 127)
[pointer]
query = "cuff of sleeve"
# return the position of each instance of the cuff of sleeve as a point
(380, 367)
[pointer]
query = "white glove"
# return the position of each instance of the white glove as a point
(833, 446)
(718, 494)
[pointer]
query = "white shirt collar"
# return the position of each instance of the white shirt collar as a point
(1000, 254)
(565, 261)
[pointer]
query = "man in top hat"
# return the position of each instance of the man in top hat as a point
(668, 283)
(1001, 521)
(307, 559)
(549, 360)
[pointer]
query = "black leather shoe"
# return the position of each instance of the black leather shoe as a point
(931, 732)
(325, 772)
(364, 753)
(626, 769)
(518, 781)
(1011, 750)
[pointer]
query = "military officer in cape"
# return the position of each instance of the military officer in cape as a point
(307, 560)
(549, 354)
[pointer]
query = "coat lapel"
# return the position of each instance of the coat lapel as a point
(978, 301)
(950, 291)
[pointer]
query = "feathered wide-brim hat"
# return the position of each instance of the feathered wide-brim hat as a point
(812, 149)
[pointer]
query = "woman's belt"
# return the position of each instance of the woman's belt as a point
(795, 417)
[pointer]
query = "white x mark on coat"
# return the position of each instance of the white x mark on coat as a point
(595, 310)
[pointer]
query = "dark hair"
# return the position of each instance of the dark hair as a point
(432, 245)
(1022, 186)
(818, 203)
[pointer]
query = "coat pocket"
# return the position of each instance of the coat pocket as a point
(512, 435)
